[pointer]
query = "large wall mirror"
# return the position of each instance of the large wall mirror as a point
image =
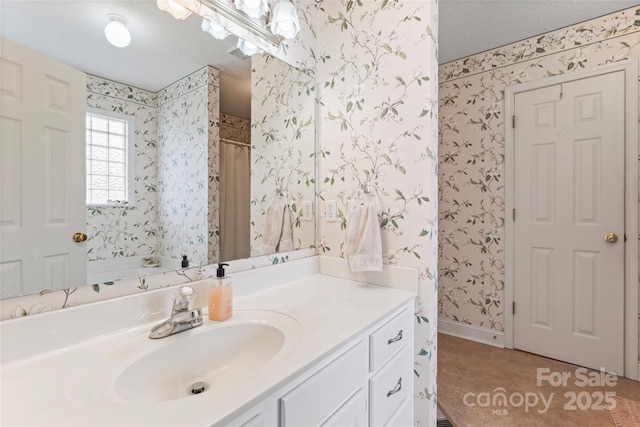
(220, 164)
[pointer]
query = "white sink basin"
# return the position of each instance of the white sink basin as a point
(220, 355)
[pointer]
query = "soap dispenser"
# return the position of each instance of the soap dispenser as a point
(220, 296)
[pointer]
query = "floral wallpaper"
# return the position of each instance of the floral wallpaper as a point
(471, 153)
(235, 128)
(377, 71)
(187, 148)
(282, 140)
(119, 231)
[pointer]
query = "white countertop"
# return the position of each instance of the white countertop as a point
(329, 310)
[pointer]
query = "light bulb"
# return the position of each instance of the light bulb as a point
(176, 10)
(254, 8)
(248, 48)
(175, 6)
(216, 30)
(117, 32)
(285, 20)
(285, 25)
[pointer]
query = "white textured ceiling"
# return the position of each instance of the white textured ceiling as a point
(467, 27)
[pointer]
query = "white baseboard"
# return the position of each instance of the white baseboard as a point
(473, 333)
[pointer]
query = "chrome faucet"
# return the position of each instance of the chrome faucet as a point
(183, 317)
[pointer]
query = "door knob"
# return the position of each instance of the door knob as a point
(79, 237)
(610, 237)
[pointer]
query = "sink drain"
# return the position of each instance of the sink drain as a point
(199, 387)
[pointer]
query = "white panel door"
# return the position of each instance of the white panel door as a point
(569, 193)
(42, 161)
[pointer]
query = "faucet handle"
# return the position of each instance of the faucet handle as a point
(183, 299)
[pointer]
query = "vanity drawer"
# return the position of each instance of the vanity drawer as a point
(388, 339)
(389, 388)
(325, 392)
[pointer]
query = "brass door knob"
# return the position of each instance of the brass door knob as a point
(79, 237)
(610, 238)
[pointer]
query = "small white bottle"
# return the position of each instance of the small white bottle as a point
(220, 296)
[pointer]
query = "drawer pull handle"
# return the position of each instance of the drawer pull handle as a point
(397, 338)
(396, 389)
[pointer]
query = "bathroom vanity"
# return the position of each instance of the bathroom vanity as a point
(370, 379)
(302, 348)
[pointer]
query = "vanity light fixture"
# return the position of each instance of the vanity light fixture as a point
(248, 48)
(216, 29)
(117, 32)
(260, 25)
(284, 19)
(254, 8)
(176, 10)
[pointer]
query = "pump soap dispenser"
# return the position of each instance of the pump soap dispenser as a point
(220, 296)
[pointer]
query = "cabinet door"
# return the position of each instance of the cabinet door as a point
(351, 414)
(264, 414)
(313, 401)
(257, 421)
(403, 416)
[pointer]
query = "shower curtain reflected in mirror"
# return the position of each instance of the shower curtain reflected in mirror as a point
(235, 182)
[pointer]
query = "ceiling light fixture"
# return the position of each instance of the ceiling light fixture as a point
(176, 10)
(254, 8)
(284, 20)
(117, 32)
(216, 29)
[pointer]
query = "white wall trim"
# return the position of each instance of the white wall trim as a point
(630, 68)
(472, 333)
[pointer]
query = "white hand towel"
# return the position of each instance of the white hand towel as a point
(286, 236)
(272, 226)
(277, 234)
(363, 243)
